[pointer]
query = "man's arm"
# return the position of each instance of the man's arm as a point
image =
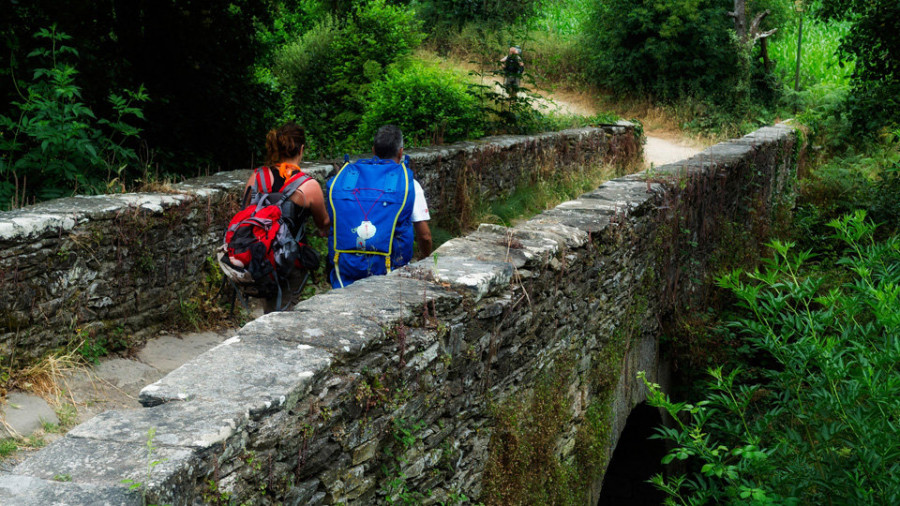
(423, 238)
(420, 217)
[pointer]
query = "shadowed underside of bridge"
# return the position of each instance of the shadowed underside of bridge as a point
(503, 369)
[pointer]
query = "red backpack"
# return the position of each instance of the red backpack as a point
(259, 252)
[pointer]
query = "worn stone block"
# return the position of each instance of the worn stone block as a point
(263, 373)
(29, 491)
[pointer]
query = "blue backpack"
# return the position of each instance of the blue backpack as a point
(370, 203)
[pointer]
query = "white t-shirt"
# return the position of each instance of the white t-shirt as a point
(420, 208)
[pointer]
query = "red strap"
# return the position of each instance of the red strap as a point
(269, 180)
(263, 180)
(297, 175)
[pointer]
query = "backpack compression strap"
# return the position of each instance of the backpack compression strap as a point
(387, 256)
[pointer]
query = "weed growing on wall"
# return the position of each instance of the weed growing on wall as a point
(394, 487)
(151, 464)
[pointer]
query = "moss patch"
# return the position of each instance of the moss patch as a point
(523, 466)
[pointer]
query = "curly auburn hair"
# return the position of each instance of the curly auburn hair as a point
(284, 143)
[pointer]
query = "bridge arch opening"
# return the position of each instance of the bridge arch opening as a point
(635, 459)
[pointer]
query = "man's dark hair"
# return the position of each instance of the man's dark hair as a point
(388, 141)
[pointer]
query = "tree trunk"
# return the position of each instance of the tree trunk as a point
(740, 19)
(764, 49)
(799, 50)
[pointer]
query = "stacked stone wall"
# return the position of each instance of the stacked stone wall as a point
(502, 371)
(120, 266)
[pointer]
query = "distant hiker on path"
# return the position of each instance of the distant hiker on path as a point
(376, 209)
(513, 68)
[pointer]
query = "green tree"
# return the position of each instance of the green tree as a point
(673, 50)
(665, 48)
(874, 43)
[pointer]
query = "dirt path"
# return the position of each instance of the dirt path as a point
(662, 147)
(660, 151)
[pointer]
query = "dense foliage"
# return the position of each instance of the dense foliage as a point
(194, 59)
(433, 106)
(669, 49)
(873, 42)
(331, 68)
(812, 417)
(440, 14)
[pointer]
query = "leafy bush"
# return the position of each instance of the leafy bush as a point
(868, 181)
(561, 18)
(331, 68)
(816, 423)
(55, 145)
(430, 105)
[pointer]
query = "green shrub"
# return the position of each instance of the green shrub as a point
(331, 68)
(563, 18)
(54, 144)
(430, 105)
(868, 181)
(812, 417)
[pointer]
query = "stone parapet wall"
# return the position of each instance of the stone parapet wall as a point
(120, 265)
(508, 360)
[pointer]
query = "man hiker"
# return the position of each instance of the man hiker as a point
(513, 68)
(376, 209)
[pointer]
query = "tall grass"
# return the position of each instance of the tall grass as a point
(562, 18)
(822, 75)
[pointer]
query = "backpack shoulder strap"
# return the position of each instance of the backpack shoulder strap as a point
(291, 185)
(262, 180)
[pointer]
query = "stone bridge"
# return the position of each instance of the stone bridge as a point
(502, 371)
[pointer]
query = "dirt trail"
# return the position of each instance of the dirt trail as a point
(662, 147)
